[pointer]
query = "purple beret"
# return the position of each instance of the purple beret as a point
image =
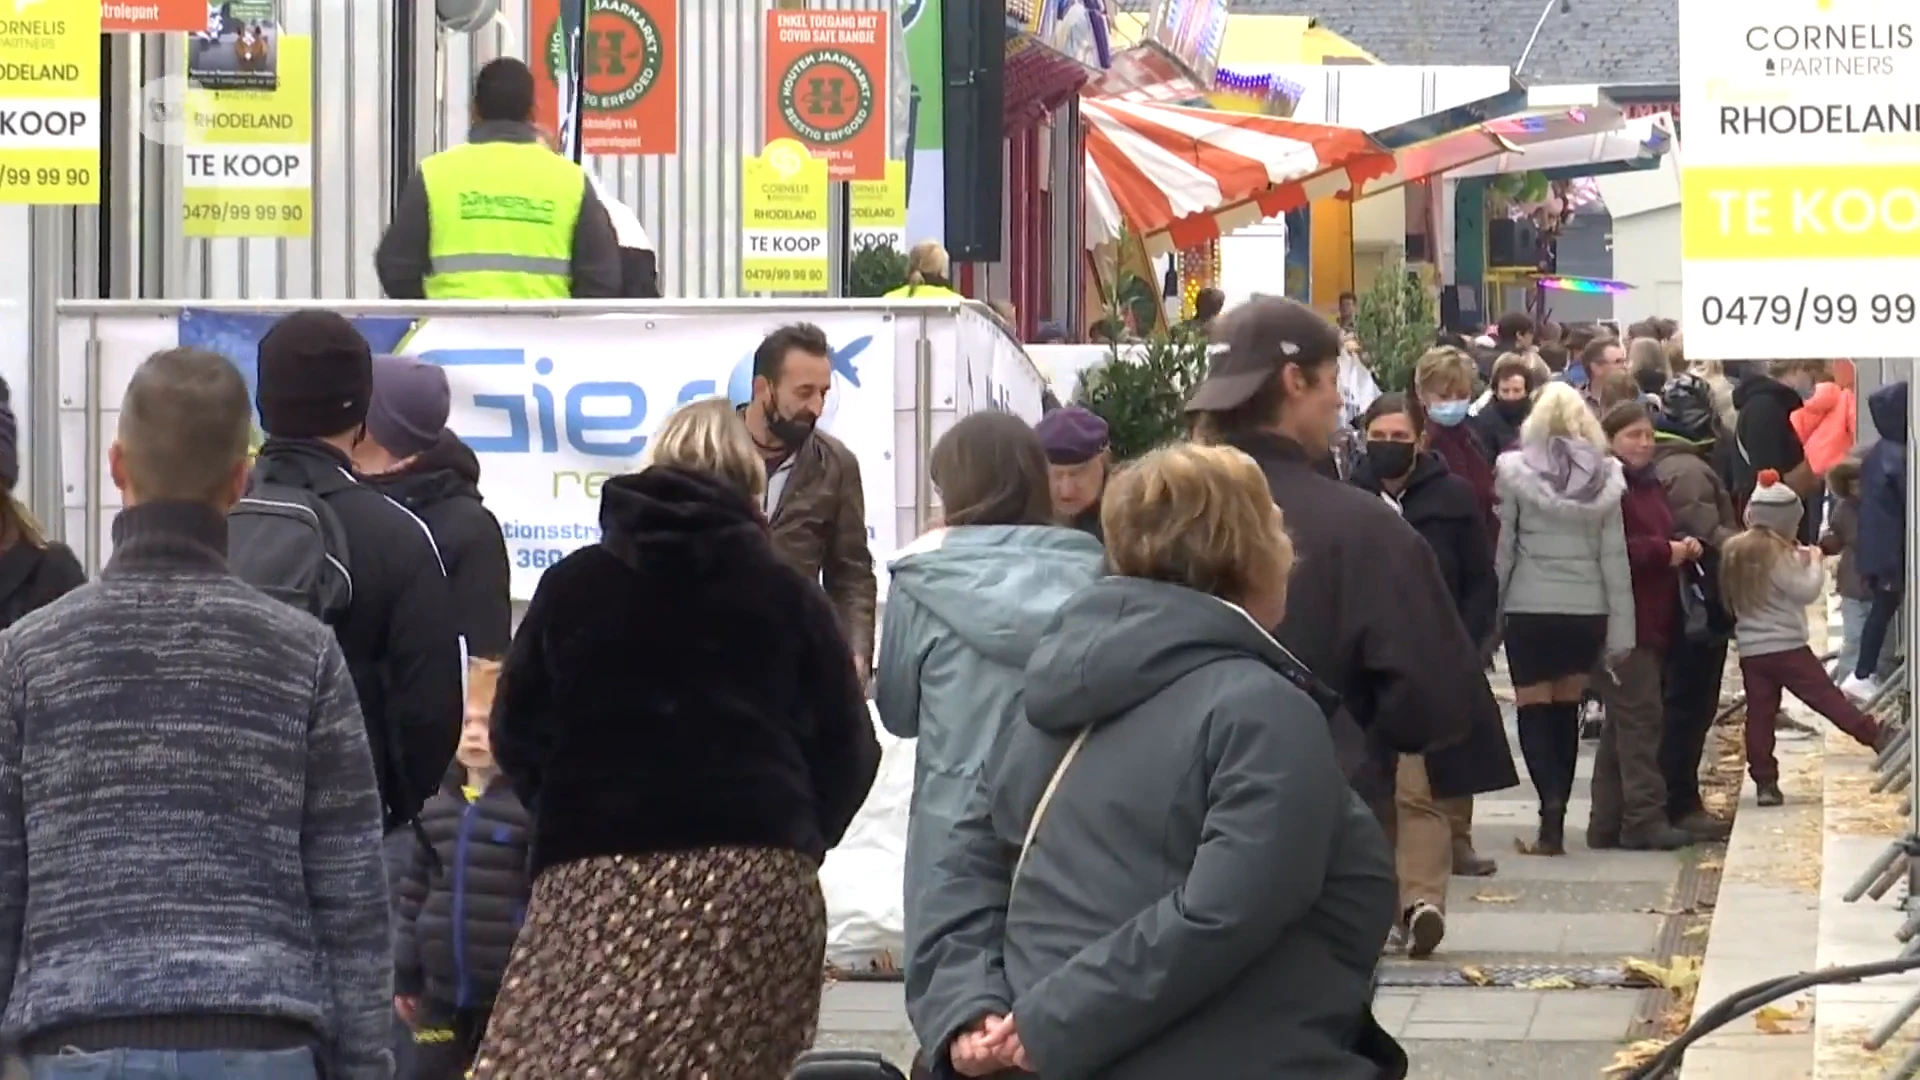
(1071, 435)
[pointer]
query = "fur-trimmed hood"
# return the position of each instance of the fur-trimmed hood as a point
(1579, 481)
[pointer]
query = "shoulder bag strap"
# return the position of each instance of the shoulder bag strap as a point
(1046, 797)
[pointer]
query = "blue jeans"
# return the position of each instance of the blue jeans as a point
(1853, 619)
(175, 1065)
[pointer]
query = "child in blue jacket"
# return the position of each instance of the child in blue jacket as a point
(462, 900)
(1880, 545)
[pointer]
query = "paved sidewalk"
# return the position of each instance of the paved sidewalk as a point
(1588, 911)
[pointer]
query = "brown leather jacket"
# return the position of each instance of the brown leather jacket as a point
(820, 529)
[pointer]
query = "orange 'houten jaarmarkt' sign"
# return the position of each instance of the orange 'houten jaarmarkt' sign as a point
(630, 92)
(827, 84)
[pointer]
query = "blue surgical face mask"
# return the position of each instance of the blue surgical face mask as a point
(1447, 413)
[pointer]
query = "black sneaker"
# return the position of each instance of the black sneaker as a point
(1769, 793)
(1425, 927)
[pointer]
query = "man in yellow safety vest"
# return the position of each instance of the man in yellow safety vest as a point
(500, 217)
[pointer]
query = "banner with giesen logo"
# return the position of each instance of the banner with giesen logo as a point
(50, 102)
(249, 154)
(555, 408)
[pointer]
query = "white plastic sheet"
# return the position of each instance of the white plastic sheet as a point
(863, 878)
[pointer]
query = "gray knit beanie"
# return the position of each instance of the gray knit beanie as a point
(1774, 505)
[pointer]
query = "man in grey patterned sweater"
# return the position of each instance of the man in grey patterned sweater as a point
(191, 882)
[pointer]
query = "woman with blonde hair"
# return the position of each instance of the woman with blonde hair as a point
(1125, 896)
(687, 762)
(1561, 561)
(709, 435)
(926, 274)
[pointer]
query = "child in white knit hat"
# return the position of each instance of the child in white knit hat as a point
(1768, 580)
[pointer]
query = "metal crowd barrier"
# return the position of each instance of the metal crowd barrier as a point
(1894, 770)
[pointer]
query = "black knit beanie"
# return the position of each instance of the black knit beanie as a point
(315, 377)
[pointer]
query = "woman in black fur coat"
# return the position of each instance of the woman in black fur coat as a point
(680, 714)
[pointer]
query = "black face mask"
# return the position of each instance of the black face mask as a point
(1513, 411)
(1390, 460)
(790, 430)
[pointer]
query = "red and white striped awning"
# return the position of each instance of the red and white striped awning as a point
(1178, 176)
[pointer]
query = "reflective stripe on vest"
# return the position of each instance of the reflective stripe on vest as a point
(505, 264)
(501, 219)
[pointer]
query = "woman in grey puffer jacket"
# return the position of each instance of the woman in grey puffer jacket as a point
(1565, 588)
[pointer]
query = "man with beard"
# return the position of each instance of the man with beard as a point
(1077, 460)
(814, 504)
(411, 457)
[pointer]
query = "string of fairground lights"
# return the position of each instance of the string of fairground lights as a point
(1199, 268)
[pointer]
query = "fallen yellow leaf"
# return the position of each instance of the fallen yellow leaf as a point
(1695, 931)
(1678, 977)
(1550, 982)
(1635, 1055)
(1475, 976)
(1773, 1020)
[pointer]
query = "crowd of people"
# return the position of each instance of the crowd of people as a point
(287, 777)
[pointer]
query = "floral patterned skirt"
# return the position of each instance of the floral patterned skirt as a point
(697, 965)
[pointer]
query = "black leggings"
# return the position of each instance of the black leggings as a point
(1873, 634)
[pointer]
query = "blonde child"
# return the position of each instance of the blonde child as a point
(1768, 580)
(470, 868)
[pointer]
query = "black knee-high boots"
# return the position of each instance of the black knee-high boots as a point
(1550, 744)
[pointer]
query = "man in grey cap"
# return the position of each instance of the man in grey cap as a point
(1077, 460)
(414, 460)
(1371, 614)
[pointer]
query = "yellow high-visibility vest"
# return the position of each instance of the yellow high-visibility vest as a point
(501, 218)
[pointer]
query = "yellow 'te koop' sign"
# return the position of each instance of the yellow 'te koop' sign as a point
(783, 231)
(50, 102)
(249, 157)
(1801, 212)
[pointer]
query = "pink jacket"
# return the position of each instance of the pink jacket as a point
(1826, 426)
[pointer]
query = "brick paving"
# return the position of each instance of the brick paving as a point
(1588, 909)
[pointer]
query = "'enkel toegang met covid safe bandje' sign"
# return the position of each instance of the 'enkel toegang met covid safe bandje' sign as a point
(1800, 180)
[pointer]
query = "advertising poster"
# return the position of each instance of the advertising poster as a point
(238, 48)
(631, 74)
(50, 103)
(154, 16)
(878, 211)
(926, 67)
(827, 87)
(236, 336)
(783, 227)
(1800, 211)
(249, 155)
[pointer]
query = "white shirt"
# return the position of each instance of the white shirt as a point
(627, 230)
(1357, 388)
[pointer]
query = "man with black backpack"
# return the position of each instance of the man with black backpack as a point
(309, 533)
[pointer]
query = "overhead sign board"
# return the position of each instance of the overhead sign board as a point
(1800, 180)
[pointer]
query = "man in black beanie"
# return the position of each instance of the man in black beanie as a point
(310, 533)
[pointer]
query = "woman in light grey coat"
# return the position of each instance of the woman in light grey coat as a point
(1565, 588)
(1165, 874)
(966, 604)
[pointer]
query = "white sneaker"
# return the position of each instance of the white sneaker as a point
(1857, 688)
